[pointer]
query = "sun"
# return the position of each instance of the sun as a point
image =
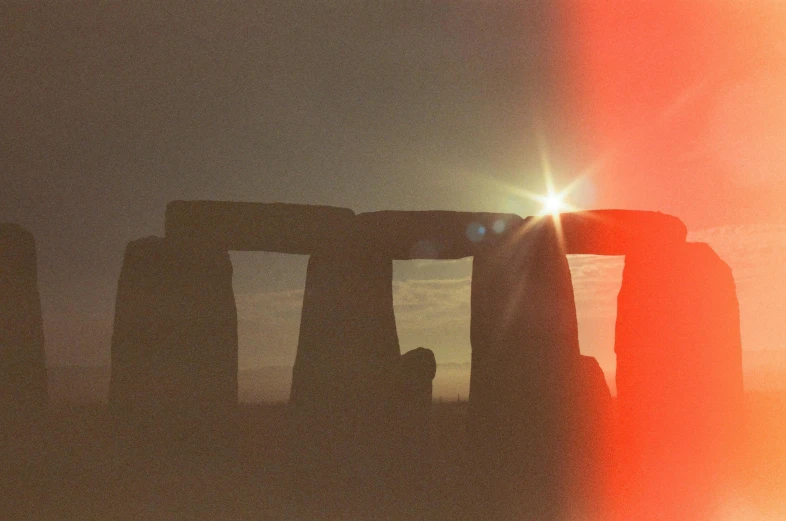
(554, 203)
(554, 200)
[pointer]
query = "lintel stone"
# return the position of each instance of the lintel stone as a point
(405, 235)
(618, 232)
(274, 227)
(437, 234)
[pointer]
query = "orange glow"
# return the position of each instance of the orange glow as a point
(679, 109)
(680, 101)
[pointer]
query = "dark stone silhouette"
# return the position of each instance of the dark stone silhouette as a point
(416, 373)
(616, 232)
(589, 442)
(540, 417)
(679, 380)
(413, 401)
(23, 386)
(525, 359)
(274, 227)
(174, 346)
(407, 235)
(343, 381)
(594, 382)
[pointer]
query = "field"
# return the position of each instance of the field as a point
(78, 469)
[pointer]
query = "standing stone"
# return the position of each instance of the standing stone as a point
(525, 358)
(590, 442)
(416, 372)
(679, 380)
(174, 346)
(343, 381)
(23, 386)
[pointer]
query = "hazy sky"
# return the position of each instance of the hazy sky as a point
(110, 110)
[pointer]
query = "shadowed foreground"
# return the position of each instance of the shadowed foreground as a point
(542, 438)
(81, 471)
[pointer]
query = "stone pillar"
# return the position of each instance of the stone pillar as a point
(679, 380)
(343, 380)
(525, 358)
(416, 372)
(590, 443)
(174, 346)
(23, 385)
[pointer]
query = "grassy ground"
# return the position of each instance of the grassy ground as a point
(78, 470)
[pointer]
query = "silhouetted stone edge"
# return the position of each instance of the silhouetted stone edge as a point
(23, 376)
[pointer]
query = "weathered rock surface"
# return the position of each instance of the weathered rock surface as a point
(590, 441)
(594, 381)
(435, 234)
(303, 229)
(274, 227)
(174, 346)
(413, 404)
(347, 327)
(23, 386)
(416, 373)
(525, 356)
(617, 232)
(679, 376)
(534, 400)
(343, 381)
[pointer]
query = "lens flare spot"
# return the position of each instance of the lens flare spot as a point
(498, 226)
(475, 232)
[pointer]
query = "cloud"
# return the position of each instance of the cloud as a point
(596, 282)
(268, 325)
(273, 303)
(425, 304)
(757, 257)
(435, 311)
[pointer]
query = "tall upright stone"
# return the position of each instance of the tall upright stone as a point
(414, 390)
(679, 380)
(590, 443)
(174, 346)
(525, 360)
(343, 381)
(23, 386)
